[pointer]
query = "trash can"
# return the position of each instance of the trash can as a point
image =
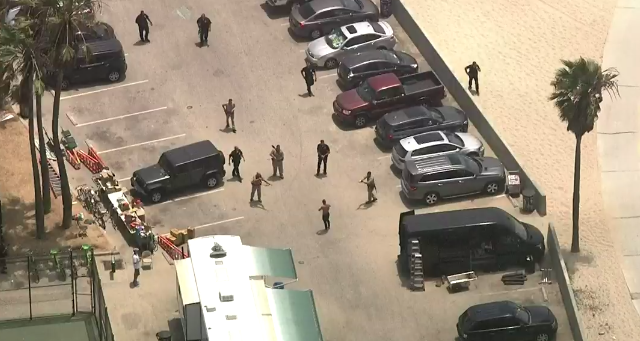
(278, 285)
(164, 335)
(528, 202)
(385, 8)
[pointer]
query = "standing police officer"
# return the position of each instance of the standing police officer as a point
(472, 71)
(309, 75)
(277, 159)
(143, 22)
(204, 26)
(323, 155)
(371, 186)
(236, 156)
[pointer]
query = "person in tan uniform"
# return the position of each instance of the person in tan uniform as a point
(256, 186)
(277, 159)
(371, 186)
(325, 214)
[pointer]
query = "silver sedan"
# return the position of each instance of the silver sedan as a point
(329, 50)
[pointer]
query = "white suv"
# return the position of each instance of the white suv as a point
(435, 143)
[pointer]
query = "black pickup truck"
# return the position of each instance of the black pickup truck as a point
(382, 94)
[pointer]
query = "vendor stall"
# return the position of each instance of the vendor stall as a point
(128, 215)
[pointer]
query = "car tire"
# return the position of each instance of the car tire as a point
(212, 181)
(114, 76)
(543, 337)
(155, 196)
(381, 48)
(315, 34)
(331, 63)
(492, 188)
(65, 84)
(361, 121)
(473, 154)
(431, 198)
(295, 6)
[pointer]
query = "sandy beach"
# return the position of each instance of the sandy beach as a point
(518, 45)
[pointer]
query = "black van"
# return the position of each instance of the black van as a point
(453, 242)
(199, 163)
(103, 60)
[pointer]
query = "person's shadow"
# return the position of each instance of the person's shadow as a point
(304, 95)
(322, 232)
(227, 130)
(365, 205)
(257, 204)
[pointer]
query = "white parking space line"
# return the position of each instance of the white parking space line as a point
(140, 144)
(327, 76)
(191, 196)
(105, 89)
(219, 222)
(380, 158)
(301, 51)
(126, 54)
(123, 179)
(114, 118)
(285, 24)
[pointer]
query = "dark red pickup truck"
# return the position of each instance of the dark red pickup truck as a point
(382, 94)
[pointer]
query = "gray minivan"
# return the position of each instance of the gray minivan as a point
(452, 175)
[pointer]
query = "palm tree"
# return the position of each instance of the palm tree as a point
(577, 95)
(19, 56)
(64, 18)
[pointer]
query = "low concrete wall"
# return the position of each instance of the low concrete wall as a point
(562, 277)
(465, 101)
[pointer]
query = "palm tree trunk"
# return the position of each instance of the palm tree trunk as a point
(34, 160)
(67, 200)
(44, 168)
(575, 238)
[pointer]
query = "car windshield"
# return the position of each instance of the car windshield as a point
(164, 164)
(520, 230)
(335, 39)
(474, 165)
(366, 92)
(436, 115)
(523, 315)
(306, 11)
(455, 139)
(352, 4)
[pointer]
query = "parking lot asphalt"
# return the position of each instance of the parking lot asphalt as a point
(172, 95)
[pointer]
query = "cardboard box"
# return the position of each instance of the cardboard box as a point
(175, 233)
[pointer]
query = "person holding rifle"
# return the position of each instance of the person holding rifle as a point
(256, 186)
(371, 186)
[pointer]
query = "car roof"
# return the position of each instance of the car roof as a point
(425, 139)
(104, 46)
(412, 224)
(436, 164)
(322, 5)
(190, 152)
(384, 81)
(492, 310)
(364, 27)
(358, 59)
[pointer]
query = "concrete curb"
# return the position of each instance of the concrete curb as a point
(564, 283)
(466, 102)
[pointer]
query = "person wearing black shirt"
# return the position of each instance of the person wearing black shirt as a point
(472, 71)
(236, 156)
(309, 75)
(204, 26)
(323, 155)
(143, 22)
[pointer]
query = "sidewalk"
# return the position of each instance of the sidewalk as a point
(619, 142)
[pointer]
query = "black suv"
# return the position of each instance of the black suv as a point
(198, 163)
(356, 68)
(507, 321)
(399, 124)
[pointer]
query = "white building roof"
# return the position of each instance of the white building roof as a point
(236, 304)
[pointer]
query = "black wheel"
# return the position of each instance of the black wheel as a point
(331, 63)
(114, 76)
(473, 154)
(212, 181)
(65, 84)
(315, 34)
(543, 337)
(492, 188)
(155, 196)
(431, 198)
(361, 121)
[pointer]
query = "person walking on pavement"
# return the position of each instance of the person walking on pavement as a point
(236, 156)
(136, 267)
(230, 111)
(309, 75)
(323, 155)
(325, 214)
(472, 71)
(277, 158)
(256, 186)
(371, 186)
(143, 22)
(204, 26)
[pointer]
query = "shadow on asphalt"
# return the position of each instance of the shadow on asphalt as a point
(274, 13)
